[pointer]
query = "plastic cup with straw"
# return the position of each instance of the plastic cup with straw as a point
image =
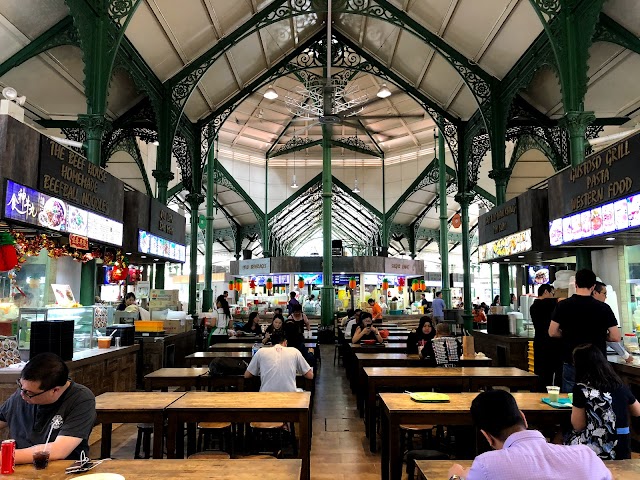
(41, 457)
(552, 390)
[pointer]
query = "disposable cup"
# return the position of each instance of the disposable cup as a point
(570, 395)
(41, 459)
(554, 393)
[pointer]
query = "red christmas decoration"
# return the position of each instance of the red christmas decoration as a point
(252, 284)
(401, 282)
(8, 253)
(119, 273)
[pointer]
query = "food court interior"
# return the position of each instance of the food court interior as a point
(345, 150)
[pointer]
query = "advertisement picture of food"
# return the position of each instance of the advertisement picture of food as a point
(585, 220)
(620, 215)
(576, 226)
(77, 221)
(633, 205)
(144, 242)
(53, 214)
(607, 218)
(567, 231)
(597, 223)
(555, 232)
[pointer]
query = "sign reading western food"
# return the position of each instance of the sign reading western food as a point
(499, 222)
(69, 176)
(26, 205)
(610, 174)
(166, 223)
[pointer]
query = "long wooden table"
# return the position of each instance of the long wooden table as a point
(439, 469)
(174, 469)
(358, 381)
(246, 347)
(133, 407)
(398, 408)
(204, 358)
(243, 407)
(444, 379)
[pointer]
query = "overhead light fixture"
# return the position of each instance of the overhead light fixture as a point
(271, 93)
(384, 91)
(155, 259)
(610, 239)
(143, 256)
(355, 187)
(293, 183)
(128, 253)
(507, 260)
(156, 143)
(11, 94)
(520, 256)
(355, 170)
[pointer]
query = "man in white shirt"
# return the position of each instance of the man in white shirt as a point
(278, 366)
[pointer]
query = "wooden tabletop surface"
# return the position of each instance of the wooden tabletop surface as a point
(135, 401)
(238, 346)
(460, 403)
(438, 469)
(219, 355)
(178, 372)
(404, 356)
(233, 401)
(446, 372)
(174, 469)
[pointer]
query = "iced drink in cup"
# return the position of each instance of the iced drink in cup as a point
(554, 393)
(420, 347)
(41, 459)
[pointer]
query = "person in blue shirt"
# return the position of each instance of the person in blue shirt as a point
(438, 306)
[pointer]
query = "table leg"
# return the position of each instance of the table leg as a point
(172, 432)
(147, 385)
(158, 435)
(180, 439)
(395, 455)
(384, 432)
(370, 408)
(191, 438)
(105, 445)
(305, 444)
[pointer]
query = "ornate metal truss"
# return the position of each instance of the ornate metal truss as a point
(130, 146)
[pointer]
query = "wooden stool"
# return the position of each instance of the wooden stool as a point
(206, 429)
(144, 437)
(408, 431)
(215, 455)
(275, 430)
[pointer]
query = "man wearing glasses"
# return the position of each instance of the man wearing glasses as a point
(44, 391)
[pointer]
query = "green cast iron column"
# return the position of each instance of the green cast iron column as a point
(465, 200)
(207, 292)
(194, 200)
(266, 247)
(327, 266)
(88, 283)
(501, 177)
(444, 225)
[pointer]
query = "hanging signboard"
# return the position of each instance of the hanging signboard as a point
(79, 242)
(498, 222)
(29, 206)
(69, 176)
(514, 244)
(255, 266)
(165, 223)
(160, 247)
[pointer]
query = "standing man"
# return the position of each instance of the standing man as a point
(278, 366)
(582, 319)
(292, 302)
(547, 351)
(438, 308)
(45, 391)
(376, 310)
(424, 302)
(600, 294)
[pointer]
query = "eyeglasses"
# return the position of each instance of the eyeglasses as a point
(27, 393)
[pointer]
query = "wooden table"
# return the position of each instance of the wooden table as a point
(439, 469)
(358, 381)
(245, 347)
(174, 469)
(204, 358)
(398, 408)
(133, 407)
(243, 407)
(444, 379)
(252, 340)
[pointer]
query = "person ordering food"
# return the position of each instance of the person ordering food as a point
(128, 300)
(365, 330)
(44, 391)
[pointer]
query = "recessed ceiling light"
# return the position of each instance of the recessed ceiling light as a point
(384, 91)
(507, 260)
(520, 256)
(128, 253)
(143, 256)
(610, 239)
(270, 93)
(155, 259)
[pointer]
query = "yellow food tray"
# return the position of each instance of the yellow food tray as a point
(149, 326)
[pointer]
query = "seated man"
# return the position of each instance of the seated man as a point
(277, 366)
(522, 453)
(44, 390)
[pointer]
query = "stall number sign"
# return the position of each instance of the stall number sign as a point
(79, 242)
(26, 205)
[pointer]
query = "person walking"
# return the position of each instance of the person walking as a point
(438, 306)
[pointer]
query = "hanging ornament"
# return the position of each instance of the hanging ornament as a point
(300, 282)
(423, 286)
(238, 285)
(385, 284)
(400, 288)
(401, 282)
(352, 283)
(8, 253)
(269, 283)
(231, 285)
(252, 285)
(415, 285)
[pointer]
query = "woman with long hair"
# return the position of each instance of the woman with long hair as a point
(365, 330)
(276, 326)
(601, 406)
(253, 324)
(422, 335)
(224, 321)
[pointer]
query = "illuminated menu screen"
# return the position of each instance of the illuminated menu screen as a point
(609, 218)
(261, 280)
(159, 247)
(26, 205)
(513, 244)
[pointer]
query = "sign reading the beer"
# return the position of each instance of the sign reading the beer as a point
(166, 223)
(26, 205)
(255, 266)
(610, 174)
(499, 222)
(69, 176)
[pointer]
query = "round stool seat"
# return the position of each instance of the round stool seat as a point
(417, 428)
(266, 425)
(145, 425)
(256, 457)
(211, 454)
(214, 425)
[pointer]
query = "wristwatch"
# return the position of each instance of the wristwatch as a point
(456, 477)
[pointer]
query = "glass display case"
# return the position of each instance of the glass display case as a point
(88, 322)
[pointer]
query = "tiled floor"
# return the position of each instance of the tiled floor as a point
(340, 450)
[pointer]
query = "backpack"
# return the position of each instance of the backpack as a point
(227, 366)
(600, 434)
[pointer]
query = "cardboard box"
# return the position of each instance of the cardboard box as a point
(562, 293)
(177, 326)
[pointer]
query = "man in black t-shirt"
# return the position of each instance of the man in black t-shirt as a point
(582, 319)
(547, 351)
